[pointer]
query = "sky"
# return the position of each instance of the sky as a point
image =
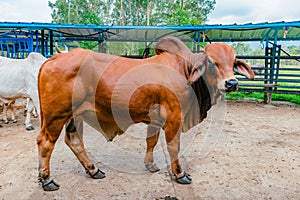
(254, 11)
(225, 12)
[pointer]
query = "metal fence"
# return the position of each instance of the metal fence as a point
(273, 77)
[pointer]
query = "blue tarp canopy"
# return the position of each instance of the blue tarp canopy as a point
(234, 32)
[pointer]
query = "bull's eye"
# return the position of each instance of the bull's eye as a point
(213, 69)
(213, 65)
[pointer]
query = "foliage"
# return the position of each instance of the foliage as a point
(293, 50)
(128, 12)
(257, 52)
(76, 11)
(241, 48)
(293, 98)
(182, 12)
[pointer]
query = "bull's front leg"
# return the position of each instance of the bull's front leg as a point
(172, 132)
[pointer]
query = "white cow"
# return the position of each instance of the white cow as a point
(18, 79)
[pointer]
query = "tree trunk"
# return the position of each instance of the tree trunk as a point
(181, 4)
(148, 12)
(131, 14)
(122, 23)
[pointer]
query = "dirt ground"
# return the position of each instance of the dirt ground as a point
(241, 151)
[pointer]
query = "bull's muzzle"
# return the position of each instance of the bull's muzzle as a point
(231, 85)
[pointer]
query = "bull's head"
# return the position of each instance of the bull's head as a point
(216, 65)
(196, 62)
(220, 74)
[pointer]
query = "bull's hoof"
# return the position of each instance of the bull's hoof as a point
(5, 122)
(15, 121)
(1, 126)
(97, 175)
(29, 128)
(50, 185)
(152, 167)
(184, 178)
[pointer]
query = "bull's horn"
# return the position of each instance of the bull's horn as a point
(66, 48)
(57, 49)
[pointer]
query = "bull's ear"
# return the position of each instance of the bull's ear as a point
(199, 61)
(243, 68)
(196, 73)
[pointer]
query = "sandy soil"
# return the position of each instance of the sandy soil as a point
(241, 151)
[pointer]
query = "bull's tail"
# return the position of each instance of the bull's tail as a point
(41, 110)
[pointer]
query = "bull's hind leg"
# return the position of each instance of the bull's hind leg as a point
(74, 139)
(46, 140)
(5, 109)
(151, 140)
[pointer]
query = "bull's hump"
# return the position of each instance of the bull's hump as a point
(70, 61)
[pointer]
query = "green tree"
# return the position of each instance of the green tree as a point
(241, 48)
(183, 12)
(257, 52)
(293, 50)
(76, 11)
(130, 12)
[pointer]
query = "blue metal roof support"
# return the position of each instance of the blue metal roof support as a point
(1, 48)
(20, 50)
(275, 36)
(43, 42)
(196, 38)
(101, 37)
(30, 43)
(13, 50)
(51, 42)
(214, 33)
(40, 26)
(47, 49)
(8, 50)
(37, 48)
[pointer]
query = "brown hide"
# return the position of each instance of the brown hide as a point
(110, 93)
(172, 90)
